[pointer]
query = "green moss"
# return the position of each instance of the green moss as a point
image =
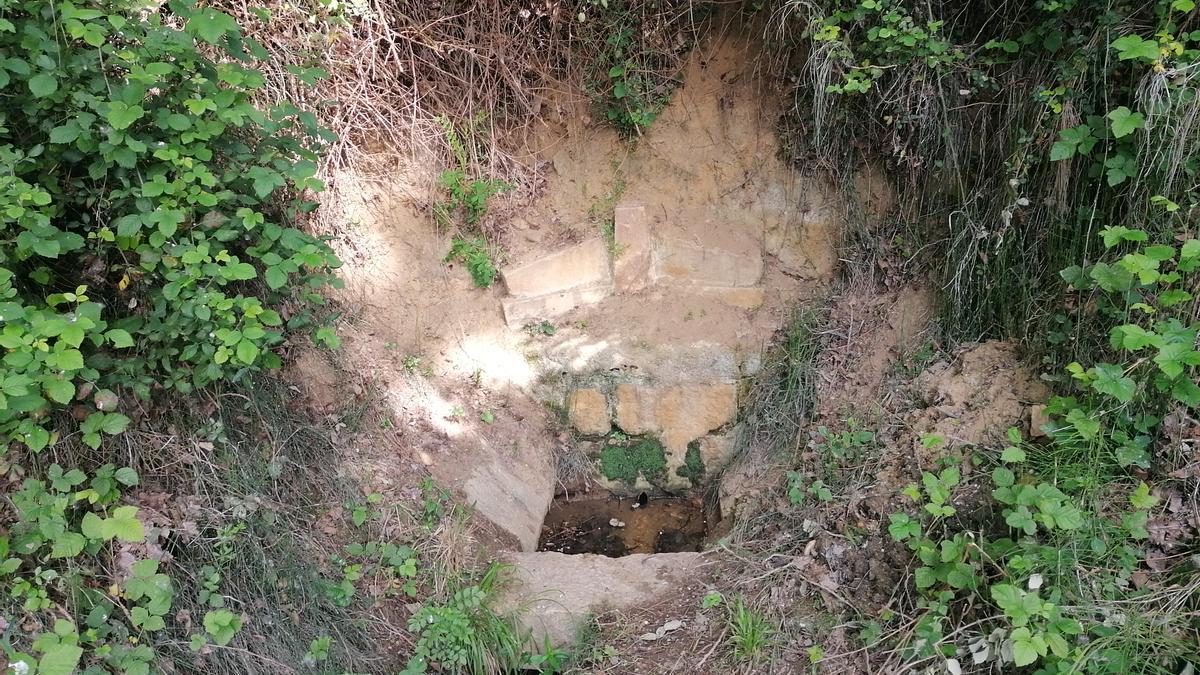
(693, 466)
(625, 461)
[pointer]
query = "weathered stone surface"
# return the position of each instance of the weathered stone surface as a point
(631, 415)
(802, 231)
(523, 310)
(746, 298)
(633, 265)
(715, 450)
(678, 415)
(583, 264)
(588, 411)
(694, 263)
(511, 498)
(558, 592)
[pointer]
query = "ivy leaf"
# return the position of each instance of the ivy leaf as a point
(1125, 122)
(43, 85)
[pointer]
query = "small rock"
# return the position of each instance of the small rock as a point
(426, 459)
(649, 637)
(1037, 419)
(616, 523)
(669, 626)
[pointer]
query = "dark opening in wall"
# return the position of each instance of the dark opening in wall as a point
(615, 526)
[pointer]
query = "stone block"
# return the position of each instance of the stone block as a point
(633, 265)
(715, 451)
(521, 311)
(1038, 419)
(632, 415)
(584, 264)
(678, 415)
(684, 413)
(745, 297)
(588, 411)
(686, 262)
(804, 236)
(556, 593)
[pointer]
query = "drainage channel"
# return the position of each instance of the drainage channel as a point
(614, 526)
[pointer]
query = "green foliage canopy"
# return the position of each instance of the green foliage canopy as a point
(145, 209)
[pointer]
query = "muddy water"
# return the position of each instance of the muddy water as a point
(614, 527)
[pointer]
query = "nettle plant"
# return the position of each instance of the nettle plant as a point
(144, 211)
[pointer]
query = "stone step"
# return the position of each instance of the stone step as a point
(521, 311)
(584, 264)
(556, 593)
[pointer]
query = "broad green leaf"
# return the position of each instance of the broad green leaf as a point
(124, 525)
(247, 351)
(60, 659)
(1141, 497)
(210, 25)
(68, 545)
(1125, 122)
(1012, 454)
(1186, 392)
(58, 389)
(1111, 380)
(1131, 47)
(119, 338)
(43, 85)
(121, 115)
(276, 278)
(114, 423)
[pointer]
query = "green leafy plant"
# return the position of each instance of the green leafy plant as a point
(50, 560)
(474, 253)
(146, 212)
(465, 634)
(749, 632)
(628, 92)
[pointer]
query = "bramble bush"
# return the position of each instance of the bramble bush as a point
(146, 211)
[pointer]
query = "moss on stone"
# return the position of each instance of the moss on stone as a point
(624, 461)
(693, 466)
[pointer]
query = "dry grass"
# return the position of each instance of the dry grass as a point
(399, 71)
